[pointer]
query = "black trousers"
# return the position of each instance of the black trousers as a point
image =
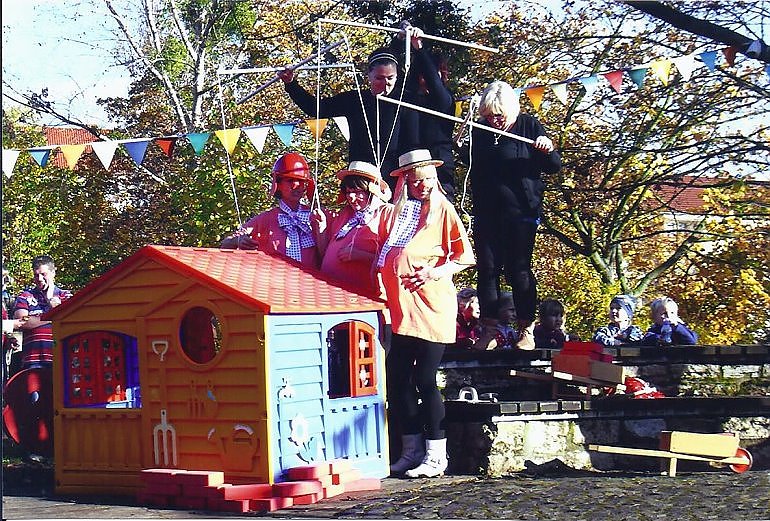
(506, 249)
(411, 373)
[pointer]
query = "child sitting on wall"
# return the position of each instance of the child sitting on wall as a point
(504, 334)
(620, 330)
(667, 328)
(550, 332)
(468, 311)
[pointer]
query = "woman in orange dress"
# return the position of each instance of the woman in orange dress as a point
(424, 244)
(349, 244)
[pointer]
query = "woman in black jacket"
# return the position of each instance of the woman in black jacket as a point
(507, 198)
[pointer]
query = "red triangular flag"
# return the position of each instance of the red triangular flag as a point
(615, 78)
(730, 54)
(167, 145)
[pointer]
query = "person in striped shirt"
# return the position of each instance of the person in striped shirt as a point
(37, 343)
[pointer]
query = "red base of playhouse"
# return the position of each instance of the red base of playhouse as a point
(206, 490)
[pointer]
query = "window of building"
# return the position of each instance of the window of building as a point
(101, 369)
(351, 359)
(200, 335)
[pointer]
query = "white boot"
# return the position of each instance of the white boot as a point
(526, 336)
(412, 453)
(435, 461)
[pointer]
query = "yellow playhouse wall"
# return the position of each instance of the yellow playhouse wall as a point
(215, 413)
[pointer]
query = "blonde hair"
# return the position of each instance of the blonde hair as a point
(660, 303)
(499, 97)
(402, 192)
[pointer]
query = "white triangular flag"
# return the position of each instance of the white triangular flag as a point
(105, 150)
(342, 124)
(9, 161)
(257, 136)
(560, 89)
(685, 65)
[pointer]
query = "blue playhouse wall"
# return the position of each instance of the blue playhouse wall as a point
(317, 415)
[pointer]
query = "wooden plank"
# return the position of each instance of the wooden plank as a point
(587, 381)
(534, 376)
(666, 454)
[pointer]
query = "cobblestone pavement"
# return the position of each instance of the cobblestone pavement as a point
(717, 495)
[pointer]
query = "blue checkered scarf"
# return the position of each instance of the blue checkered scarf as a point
(298, 232)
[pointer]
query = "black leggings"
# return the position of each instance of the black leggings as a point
(509, 253)
(411, 372)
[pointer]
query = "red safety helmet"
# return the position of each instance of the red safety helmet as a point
(293, 166)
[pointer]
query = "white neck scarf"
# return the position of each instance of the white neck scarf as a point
(404, 230)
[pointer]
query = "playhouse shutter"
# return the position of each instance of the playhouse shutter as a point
(363, 369)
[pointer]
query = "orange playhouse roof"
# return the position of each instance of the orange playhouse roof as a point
(272, 283)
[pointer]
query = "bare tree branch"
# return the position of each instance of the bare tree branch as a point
(702, 27)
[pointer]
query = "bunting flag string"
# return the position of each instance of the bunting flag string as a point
(257, 135)
(137, 148)
(660, 68)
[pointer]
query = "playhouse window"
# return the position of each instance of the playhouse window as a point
(200, 335)
(351, 358)
(101, 369)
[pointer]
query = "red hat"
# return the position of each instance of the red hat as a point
(293, 166)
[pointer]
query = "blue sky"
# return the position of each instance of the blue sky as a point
(67, 46)
(64, 46)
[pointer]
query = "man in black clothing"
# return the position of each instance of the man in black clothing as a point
(380, 145)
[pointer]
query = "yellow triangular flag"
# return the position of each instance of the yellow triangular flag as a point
(316, 126)
(535, 95)
(72, 153)
(661, 68)
(560, 89)
(458, 108)
(229, 138)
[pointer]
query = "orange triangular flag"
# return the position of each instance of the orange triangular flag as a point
(730, 54)
(615, 78)
(316, 126)
(166, 144)
(72, 153)
(661, 68)
(535, 95)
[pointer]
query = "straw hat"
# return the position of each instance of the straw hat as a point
(377, 186)
(414, 159)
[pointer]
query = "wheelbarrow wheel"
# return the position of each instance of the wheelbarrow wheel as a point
(740, 468)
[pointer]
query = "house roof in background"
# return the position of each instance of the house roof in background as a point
(67, 136)
(686, 195)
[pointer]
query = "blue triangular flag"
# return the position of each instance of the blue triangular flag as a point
(590, 83)
(198, 140)
(40, 155)
(709, 58)
(285, 132)
(136, 148)
(767, 71)
(637, 75)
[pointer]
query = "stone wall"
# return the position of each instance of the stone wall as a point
(539, 427)
(499, 448)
